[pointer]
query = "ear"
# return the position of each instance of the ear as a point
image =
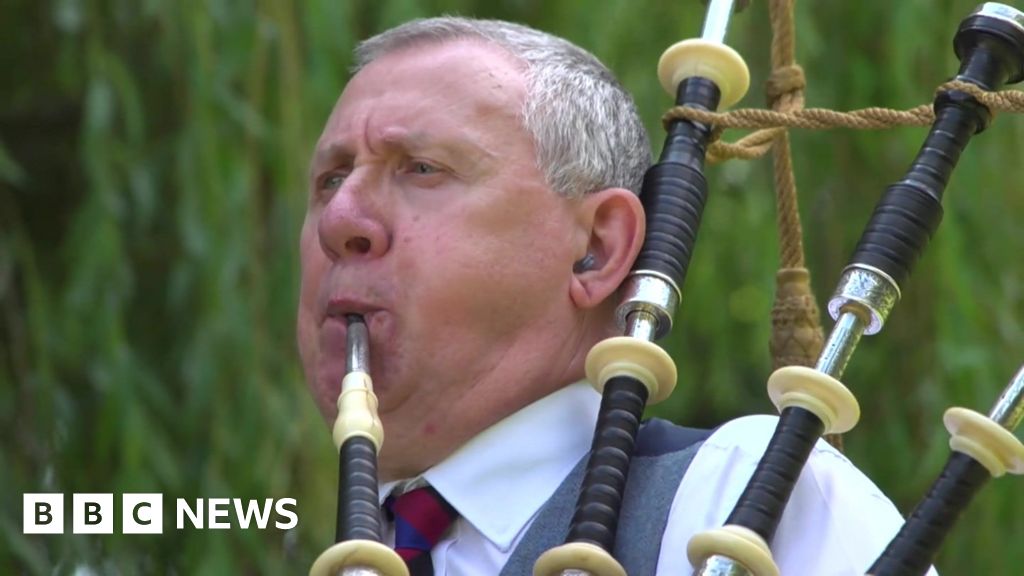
(612, 231)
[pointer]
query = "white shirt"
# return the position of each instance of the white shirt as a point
(837, 521)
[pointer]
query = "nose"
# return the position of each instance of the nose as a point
(351, 226)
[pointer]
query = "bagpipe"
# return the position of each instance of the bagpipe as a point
(632, 372)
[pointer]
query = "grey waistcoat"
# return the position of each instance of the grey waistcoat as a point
(663, 453)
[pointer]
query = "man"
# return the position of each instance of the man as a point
(473, 196)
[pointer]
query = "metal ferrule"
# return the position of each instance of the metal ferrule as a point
(841, 343)
(1009, 408)
(721, 566)
(642, 325)
(716, 20)
(868, 289)
(652, 293)
(1002, 12)
(357, 348)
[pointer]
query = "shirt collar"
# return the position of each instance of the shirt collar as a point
(498, 480)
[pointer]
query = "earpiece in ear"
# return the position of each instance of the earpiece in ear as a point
(584, 264)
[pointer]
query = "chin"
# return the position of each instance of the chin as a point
(324, 393)
(325, 403)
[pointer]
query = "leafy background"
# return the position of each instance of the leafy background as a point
(152, 165)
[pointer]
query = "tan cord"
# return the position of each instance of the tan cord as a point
(797, 337)
(785, 91)
(770, 122)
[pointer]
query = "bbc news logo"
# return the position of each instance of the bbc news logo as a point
(144, 513)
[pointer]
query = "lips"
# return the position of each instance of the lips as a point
(340, 307)
(333, 333)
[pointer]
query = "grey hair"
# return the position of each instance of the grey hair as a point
(585, 126)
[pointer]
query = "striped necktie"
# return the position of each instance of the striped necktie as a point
(421, 518)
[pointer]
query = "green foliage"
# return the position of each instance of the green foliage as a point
(152, 167)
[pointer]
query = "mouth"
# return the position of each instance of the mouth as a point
(331, 365)
(340, 309)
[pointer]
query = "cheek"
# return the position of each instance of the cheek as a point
(314, 265)
(441, 274)
(486, 279)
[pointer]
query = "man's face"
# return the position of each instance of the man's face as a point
(428, 215)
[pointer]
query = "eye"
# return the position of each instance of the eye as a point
(423, 168)
(326, 185)
(331, 181)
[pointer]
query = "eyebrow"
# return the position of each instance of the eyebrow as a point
(331, 151)
(404, 140)
(326, 155)
(414, 141)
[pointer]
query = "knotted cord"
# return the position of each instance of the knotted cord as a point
(797, 337)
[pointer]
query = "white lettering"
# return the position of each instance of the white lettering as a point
(93, 514)
(285, 512)
(184, 509)
(253, 509)
(218, 509)
(42, 513)
(142, 513)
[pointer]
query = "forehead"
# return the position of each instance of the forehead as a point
(464, 83)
